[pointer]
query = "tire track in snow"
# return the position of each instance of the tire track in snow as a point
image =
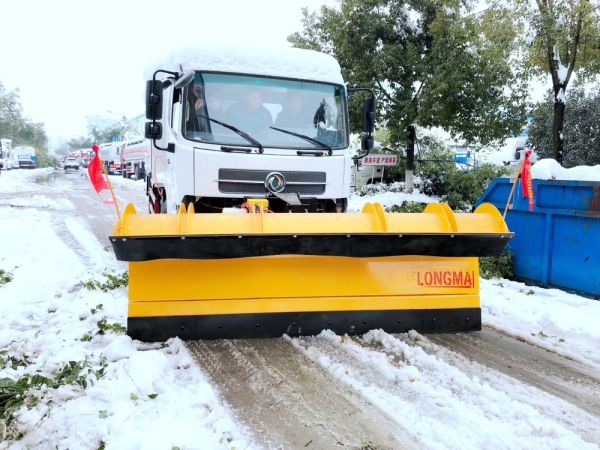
(63, 208)
(76, 235)
(437, 403)
(289, 402)
(577, 385)
(557, 388)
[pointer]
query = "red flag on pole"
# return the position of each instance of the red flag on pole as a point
(95, 172)
(526, 182)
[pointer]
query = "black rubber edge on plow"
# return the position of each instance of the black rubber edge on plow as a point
(146, 248)
(266, 325)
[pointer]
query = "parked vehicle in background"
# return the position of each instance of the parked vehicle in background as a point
(71, 164)
(82, 156)
(15, 159)
(110, 155)
(465, 156)
(7, 160)
(86, 156)
(26, 157)
(370, 170)
(133, 159)
(519, 153)
(362, 175)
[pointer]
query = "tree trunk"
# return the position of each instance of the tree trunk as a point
(557, 124)
(410, 160)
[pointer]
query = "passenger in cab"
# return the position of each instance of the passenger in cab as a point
(213, 108)
(197, 109)
(250, 115)
(293, 114)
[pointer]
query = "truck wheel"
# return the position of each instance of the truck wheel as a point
(137, 173)
(124, 172)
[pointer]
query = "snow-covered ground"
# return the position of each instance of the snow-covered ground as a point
(154, 396)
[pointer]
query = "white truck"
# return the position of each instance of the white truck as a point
(363, 175)
(26, 157)
(518, 153)
(215, 159)
(133, 159)
(110, 155)
(7, 155)
(245, 132)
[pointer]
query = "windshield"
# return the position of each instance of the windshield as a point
(257, 105)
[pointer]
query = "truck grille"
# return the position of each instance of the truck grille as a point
(252, 182)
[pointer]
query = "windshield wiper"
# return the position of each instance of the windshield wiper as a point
(306, 138)
(238, 131)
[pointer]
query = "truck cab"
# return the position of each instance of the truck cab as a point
(270, 125)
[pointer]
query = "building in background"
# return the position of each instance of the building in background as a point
(138, 123)
(101, 122)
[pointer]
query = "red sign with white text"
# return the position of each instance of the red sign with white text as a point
(380, 160)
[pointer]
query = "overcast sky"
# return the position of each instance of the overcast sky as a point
(73, 58)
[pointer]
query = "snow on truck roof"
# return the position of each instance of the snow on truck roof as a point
(264, 61)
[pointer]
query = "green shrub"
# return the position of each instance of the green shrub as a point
(497, 266)
(465, 188)
(113, 282)
(16, 393)
(6, 277)
(42, 159)
(434, 163)
(407, 207)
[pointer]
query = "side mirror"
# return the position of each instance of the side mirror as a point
(369, 115)
(367, 142)
(154, 91)
(153, 130)
(185, 79)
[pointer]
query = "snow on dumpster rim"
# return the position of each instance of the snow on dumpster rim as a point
(550, 169)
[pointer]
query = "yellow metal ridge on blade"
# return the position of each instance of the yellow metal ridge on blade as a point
(436, 218)
(259, 306)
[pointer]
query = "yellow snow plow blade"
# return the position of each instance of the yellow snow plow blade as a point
(259, 275)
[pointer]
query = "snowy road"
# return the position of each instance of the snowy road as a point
(573, 382)
(482, 390)
(477, 390)
(290, 402)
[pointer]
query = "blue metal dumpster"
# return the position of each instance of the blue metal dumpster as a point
(558, 244)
